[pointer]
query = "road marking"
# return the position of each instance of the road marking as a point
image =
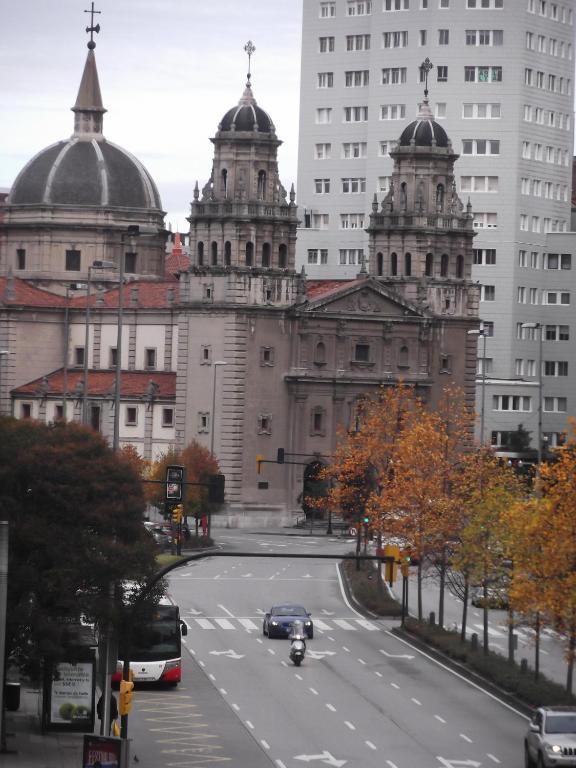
(212, 677)
(318, 655)
(201, 663)
(325, 757)
(333, 639)
(350, 725)
(225, 623)
(418, 703)
(249, 724)
(494, 759)
(331, 707)
(378, 674)
(491, 632)
(369, 744)
(361, 661)
(319, 624)
(440, 719)
(391, 764)
(246, 575)
(280, 764)
(314, 691)
(236, 707)
(223, 691)
(345, 649)
(248, 624)
(230, 654)
(272, 651)
(204, 623)
(395, 686)
(264, 744)
(367, 625)
(226, 610)
(327, 613)
(259, 639)
(466, 738)
(343, 624)
(396, 655)
(284, 663)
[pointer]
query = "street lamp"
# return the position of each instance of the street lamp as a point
(94, 265)
(482, 332)
(538, 326)
(216, 364)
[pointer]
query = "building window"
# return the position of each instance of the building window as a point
(73, 261)
(320, 220)
(422, 37)
(392, 111)
(485, 256)
(393, 75)
(130, 261)
(320, 354)
(322, 151)
(479, 183)
(321, 186)
(131, 416)
(556, 298)
(558, 261)
(403, 357)
(555, 368)
(150, 358)
(326, 44)
(249, 253)
(483, 74)
(318, 421)
(511, 403)
(356, 78)
(485, 4)
(351, 256)
(393, 264)
(167, 417)
(266, 356)
(557, 333)
(353, 149)
(442, 74)
(327, 10)
(429, 265)
(266, 251)
(265, 424)
(354, 186)
(208, 292)
(58, 413)
(485, 220)
(325, 79)
(21, 258)
(394, 39)
(480, 146)
(361, 353)
(26, 411)
(113, 357)
(484, 37)
(95, 418)
(227, 253)
(203, 422)
(78, 356)
(282, 255)
(396, 5)
(200, 253)
(440, 109)
(555, 404)
(487, 293)
(355, 114)
(359, 8)
(323, 117)
(317, 256)
(357, 42)
(443, 37)
(351, 221)
(481, 111)
(446, 364)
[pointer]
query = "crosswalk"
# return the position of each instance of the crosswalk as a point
(254, 624)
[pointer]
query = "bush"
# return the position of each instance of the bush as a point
(364, 586)
(492, 666)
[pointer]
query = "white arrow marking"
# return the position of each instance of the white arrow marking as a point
(327, 613)
(325, 757)
(396, 655)
(307, 576)
(192, 612)
(260, 611)
(320, 654)
(452, 763)
(229, 653)
(246, 575)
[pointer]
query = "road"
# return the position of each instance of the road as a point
(552, 663)
(362, 697)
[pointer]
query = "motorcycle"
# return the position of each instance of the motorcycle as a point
(297, 643)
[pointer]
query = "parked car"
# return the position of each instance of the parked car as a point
(551, 738)
(496, 596)
(278, 621)
(161, 538)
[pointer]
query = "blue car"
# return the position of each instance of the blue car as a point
(278, 621)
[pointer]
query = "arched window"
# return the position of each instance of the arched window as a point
(444, 265)
(200, 253)
(460, 266)
(393, 264)
(261, 185)
(249, 253)
(403, 361)
(403, 196)
(266, 254)
(214, 252)
(407, 264)
(440, 197)
(379, 264)
(282, 251)
(429, 268)
(227, 253)
(320, 353)
(224, 183)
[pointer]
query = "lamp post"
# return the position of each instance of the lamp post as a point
(539, 327)
(94, 265)
(482, 332)
(216, 364)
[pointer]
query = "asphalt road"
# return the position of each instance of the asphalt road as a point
(362, 697)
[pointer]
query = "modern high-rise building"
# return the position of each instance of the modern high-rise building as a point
(501, 82)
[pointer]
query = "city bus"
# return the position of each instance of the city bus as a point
(156, 653)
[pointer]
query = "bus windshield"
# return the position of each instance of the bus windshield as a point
(160, 638)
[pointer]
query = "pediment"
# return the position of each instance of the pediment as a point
(365, 297)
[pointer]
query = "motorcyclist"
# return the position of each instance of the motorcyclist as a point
(297, 632)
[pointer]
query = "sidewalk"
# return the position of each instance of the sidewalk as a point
(29, 748)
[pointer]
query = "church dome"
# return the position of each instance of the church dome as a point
(85, 172)
(247, 116)
(424, 133)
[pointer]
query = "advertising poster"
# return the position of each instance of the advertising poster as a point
(101, 752)
(72, 696)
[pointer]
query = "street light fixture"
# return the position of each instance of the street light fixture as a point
(216, 364)
(482, 332)
(538, 326)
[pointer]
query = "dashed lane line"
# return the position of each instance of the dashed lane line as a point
(350, 725)
(331, 707)
(466, 738)
(492, 757)
(369, 744)
(440, 719)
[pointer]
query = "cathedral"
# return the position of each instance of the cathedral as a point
(227, 344)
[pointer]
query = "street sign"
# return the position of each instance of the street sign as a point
(174, 482)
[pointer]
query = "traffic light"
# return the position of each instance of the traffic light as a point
(259, 460)
(216, 484)
(177, 513)
(280, 456)
(365, 519)
(174, 482)
(126, 693)
(405, 560)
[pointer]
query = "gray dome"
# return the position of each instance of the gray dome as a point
(247, 118)
(424, 133)
(81, 172)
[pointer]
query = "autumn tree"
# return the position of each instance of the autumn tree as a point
(75, 512)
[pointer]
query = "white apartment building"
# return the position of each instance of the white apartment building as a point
(502, 86)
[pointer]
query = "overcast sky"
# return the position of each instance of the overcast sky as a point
(169, 70)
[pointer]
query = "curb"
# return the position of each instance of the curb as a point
(356, 603)
(465, 671)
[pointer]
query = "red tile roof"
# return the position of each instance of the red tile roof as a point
(317, 289)
(176, 261)
(134, 384)
(139, 294)
(17, 292)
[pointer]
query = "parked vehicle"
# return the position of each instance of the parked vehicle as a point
(551, 738)
(161, 538)
(496, 596)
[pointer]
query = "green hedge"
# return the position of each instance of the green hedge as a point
(363, 584)
(492, 666)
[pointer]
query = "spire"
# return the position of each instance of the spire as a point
(248, 97)
(425, 112)
(89, 110)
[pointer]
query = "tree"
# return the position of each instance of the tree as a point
(75, 513)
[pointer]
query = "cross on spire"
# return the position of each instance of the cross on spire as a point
(249, 48)
(92, 28)
(425, 68)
